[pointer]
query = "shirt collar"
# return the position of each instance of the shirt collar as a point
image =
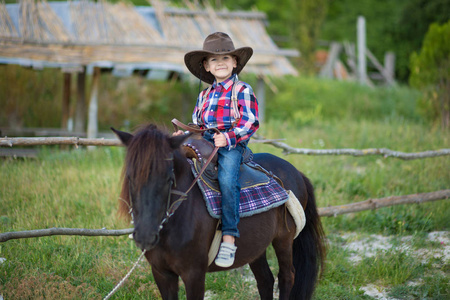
(227, 83)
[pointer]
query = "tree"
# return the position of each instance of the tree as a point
(306, 21)
(411, 27)
(430, 72)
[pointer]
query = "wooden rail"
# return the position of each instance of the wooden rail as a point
(323, 212)
(75, 141)
(383, 202)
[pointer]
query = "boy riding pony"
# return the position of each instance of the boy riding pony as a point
(230, 106)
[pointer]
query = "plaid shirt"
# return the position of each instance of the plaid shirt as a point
(217, 111)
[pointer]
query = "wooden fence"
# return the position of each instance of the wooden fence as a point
(75, 141)
(324, 212)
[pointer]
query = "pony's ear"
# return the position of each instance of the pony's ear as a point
(124, 137)
(177, 140)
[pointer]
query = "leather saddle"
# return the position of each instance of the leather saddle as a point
(200, 150)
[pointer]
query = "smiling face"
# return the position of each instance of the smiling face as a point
(221, 66)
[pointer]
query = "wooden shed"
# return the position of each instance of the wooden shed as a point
(85, 37)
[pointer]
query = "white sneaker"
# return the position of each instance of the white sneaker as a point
(226, 255)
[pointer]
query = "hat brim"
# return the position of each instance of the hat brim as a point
(194, 62)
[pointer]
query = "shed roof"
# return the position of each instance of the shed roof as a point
(126, 38)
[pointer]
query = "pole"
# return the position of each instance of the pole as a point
(80, 114)
(93, 106)
(361, 39)
(66, 100)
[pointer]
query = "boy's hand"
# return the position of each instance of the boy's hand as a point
(179, 132)
(220, 140)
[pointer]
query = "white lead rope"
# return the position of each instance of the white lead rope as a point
(125, 278)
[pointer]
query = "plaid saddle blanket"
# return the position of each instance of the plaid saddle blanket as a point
(255, 198)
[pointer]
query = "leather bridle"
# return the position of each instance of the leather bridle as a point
(172, 207)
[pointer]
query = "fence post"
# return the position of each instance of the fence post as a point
(333, 57)
(361, 39)
(80, 114)
(67, 78)
(389, 65)
(93, 106)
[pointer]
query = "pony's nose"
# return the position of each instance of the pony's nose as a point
(146, 241)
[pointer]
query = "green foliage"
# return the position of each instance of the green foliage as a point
(397, 26)
(306, 20)
(28, 97)
(381, 22)
(431, 73)
(306, 100)
(137, 100)
(411, 27)
(34, 99)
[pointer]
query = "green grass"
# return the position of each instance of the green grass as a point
(79, 188)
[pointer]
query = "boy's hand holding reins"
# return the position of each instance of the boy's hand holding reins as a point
(220, 140)
(178, 132)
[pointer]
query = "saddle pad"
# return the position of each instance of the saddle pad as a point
(250, 175)
(298, 214)
(253, 200)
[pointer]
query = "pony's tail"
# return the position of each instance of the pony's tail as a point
(309, 250)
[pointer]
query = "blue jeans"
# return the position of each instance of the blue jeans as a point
(229, 163)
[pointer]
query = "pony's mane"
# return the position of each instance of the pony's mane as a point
(147, 152)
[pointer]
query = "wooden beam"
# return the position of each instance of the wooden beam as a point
(361, 38)
(62, 231)
(389, 65)
(333, 56)
(67, 77)
(387, 77)
(92, 129)
(383, 202)
(10, 142)
(323, 212)
(39, 141)
(80, 112)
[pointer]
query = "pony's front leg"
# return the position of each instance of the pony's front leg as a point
(194, 282)
(167, 283)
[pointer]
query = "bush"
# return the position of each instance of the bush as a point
(308, 100)
(430, 72)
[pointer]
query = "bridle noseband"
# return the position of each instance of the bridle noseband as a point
(171, 207)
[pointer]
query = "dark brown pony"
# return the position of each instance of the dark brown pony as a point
(156, 173)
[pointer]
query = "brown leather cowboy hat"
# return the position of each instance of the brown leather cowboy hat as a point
(216, 43)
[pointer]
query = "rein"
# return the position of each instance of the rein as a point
(183, 195)
(171, 208)
(177, 124)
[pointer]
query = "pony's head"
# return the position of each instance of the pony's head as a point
(148, 176)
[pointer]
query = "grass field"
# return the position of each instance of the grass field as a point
(401, 252)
